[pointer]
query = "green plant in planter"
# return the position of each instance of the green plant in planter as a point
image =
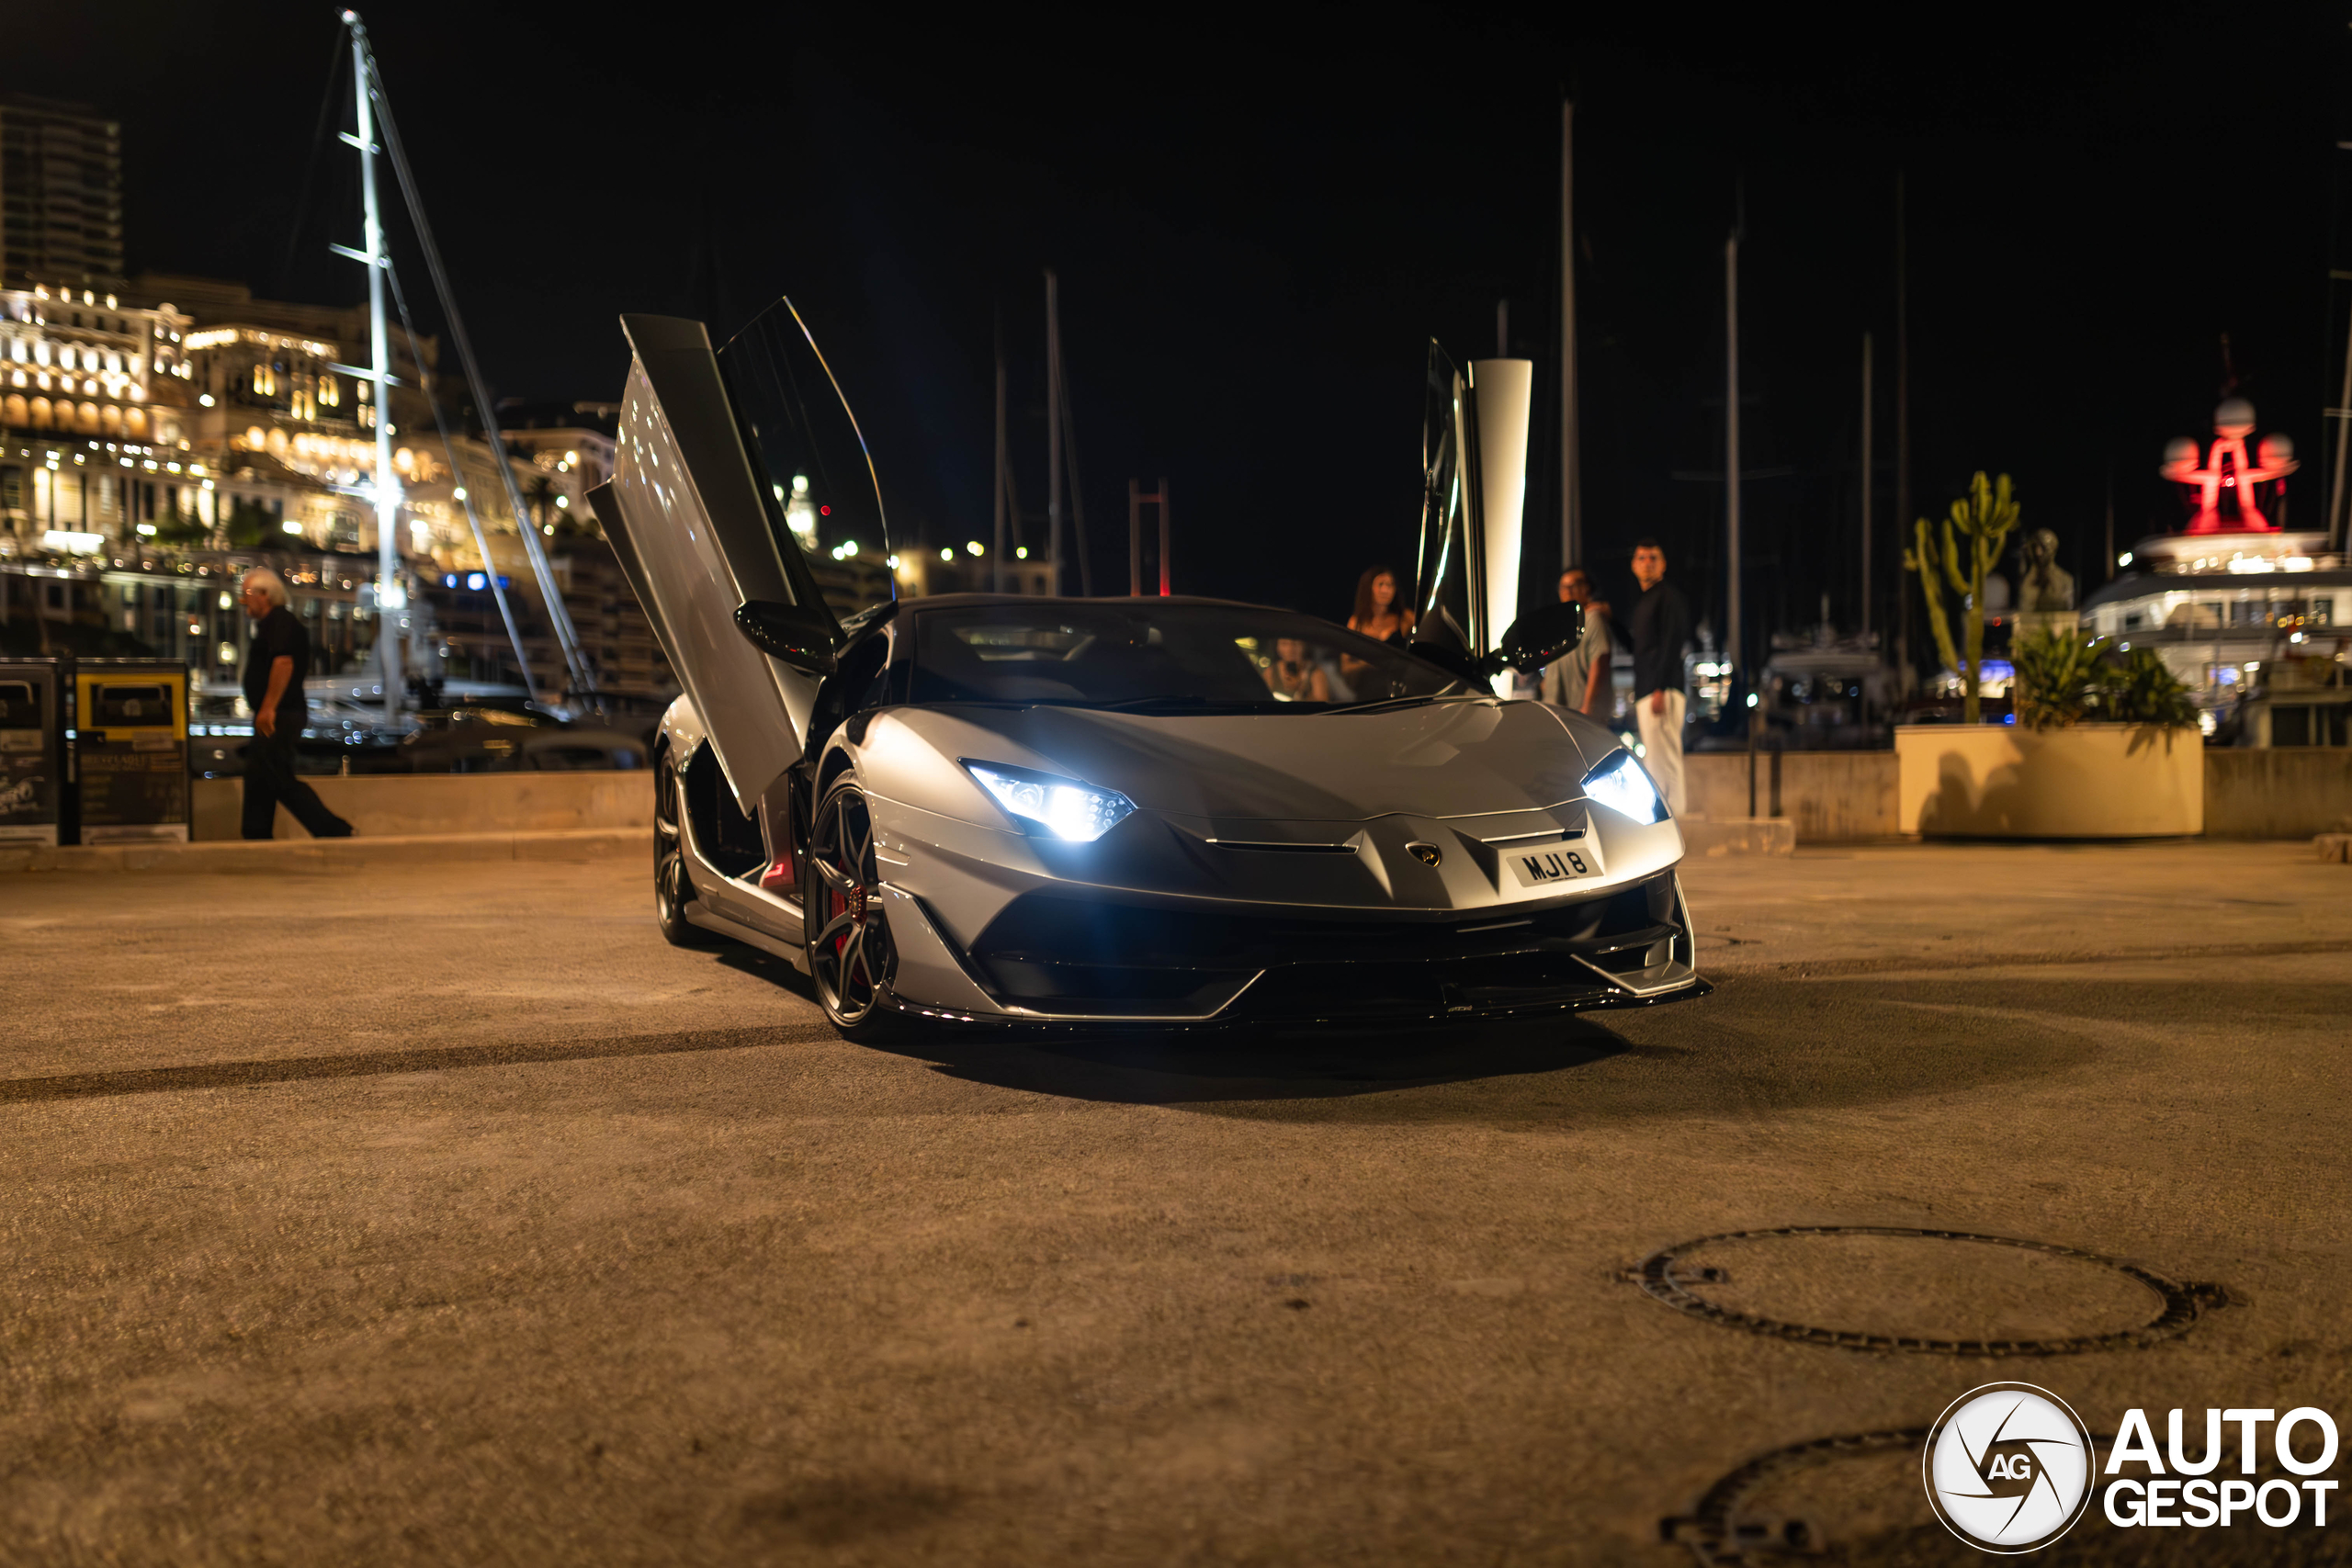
(1985, 518)
(2063, 678)
(2057, 679)
(2137, 688)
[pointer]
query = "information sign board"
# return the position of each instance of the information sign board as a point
(131, 749)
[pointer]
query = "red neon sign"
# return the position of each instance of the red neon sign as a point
(2229, 480)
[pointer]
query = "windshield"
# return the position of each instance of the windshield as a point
(1153, 654)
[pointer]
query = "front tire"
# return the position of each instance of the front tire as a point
(850, 955)
(673, 889)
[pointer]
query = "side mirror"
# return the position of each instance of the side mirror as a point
(1451, 659)
(786, 635)
(1541, 635)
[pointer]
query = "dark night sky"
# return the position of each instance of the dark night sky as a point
(1259, 223)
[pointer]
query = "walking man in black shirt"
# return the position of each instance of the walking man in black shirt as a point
(1661, 628)
(275, 664)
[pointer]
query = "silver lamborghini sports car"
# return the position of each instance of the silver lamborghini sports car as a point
(1155, 811)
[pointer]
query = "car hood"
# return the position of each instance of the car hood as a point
(1445, 759)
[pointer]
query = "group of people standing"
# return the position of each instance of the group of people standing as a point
(1659, 629)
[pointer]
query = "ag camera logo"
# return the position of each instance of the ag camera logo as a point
(2008, 1467)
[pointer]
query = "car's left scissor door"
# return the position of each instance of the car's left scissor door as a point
(686, 517)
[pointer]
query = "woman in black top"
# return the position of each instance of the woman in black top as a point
(1377, 614)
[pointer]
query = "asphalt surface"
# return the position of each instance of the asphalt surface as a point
(447, 1216)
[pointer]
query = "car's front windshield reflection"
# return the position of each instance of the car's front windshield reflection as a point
(1149, 655)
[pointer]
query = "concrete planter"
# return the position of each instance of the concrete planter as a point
(2091, 781)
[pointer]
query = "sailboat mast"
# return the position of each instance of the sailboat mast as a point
(1868, 447)
(1571, 464)
(1054, 427)
(996, 541)
(1731, 645)
(582, 673)
(392, 597)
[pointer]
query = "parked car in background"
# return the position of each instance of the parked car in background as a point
(338, 736)
(492, 737)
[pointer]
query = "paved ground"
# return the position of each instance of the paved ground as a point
(447, 1216)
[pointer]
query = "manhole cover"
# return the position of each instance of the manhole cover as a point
(1812, 1499)
(1856, 1500)
(1939, 1293)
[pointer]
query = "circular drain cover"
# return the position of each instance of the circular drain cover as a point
(1942, 1292)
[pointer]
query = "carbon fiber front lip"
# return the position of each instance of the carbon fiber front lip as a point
(1599, 1001)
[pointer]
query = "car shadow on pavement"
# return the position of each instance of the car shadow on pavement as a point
(1154, 1067)
(1146, 1067)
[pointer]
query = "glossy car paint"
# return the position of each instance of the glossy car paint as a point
(1218, 798)
(1389, 817)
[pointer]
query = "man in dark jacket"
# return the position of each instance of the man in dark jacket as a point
(275, 664)
(1661, 625)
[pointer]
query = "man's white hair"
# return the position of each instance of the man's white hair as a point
(272, 586)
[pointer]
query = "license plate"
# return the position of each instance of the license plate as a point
(1540, 868)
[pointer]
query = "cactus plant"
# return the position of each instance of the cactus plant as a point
(1984, 518)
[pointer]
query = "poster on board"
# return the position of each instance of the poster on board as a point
(131, 749)
(32, 750)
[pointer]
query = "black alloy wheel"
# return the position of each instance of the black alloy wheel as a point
(849, 946)
(672, 889)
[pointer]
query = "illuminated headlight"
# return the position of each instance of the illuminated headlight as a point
(1064, 807)
(1623, 786)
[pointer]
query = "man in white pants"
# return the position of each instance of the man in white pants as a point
(1661, 625)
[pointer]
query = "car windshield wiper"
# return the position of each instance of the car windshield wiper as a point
(1403, 702)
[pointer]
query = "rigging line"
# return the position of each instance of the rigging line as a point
(465, 493)
(559, 615)
(328, 103)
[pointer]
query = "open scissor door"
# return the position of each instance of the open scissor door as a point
(719, 451)
(1474, 486)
